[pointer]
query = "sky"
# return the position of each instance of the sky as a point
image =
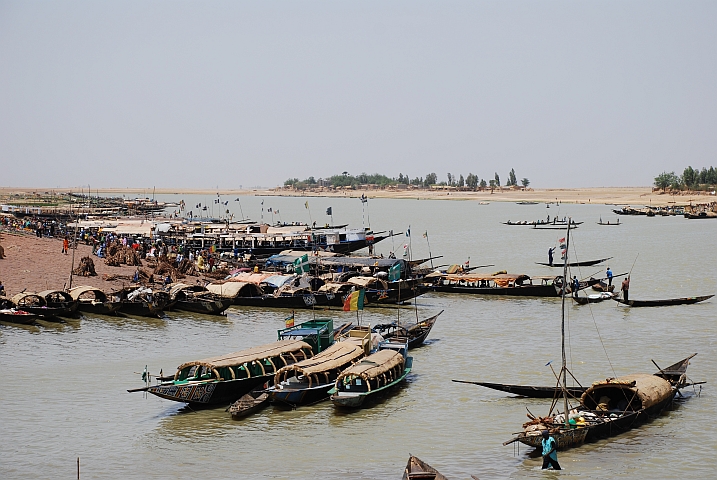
(238, 94)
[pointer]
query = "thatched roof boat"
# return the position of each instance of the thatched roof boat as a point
(35, 303)
(63, 301)
(223, 379)
(375, 373)
(196, 298)
(309, 381)
(12, 315)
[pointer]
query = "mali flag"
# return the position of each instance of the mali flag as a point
(354, 301)
(289, 321)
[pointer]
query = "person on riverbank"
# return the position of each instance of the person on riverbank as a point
(625, 288)
(65, 245)
(550, 452)
(608, 273)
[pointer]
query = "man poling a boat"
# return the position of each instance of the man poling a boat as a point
(550, 452)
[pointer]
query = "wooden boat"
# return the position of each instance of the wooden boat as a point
(309, 381)
(35, 304)
(377, 291)
(249, 404)
(416, 469)
(416, 333)
(497, 284)
(196, 298)
(610, 407)
(64, 303)
(222, 380)
(528, 390)
(12, 315)
(672, 374)
(602, 286)
(594, 298)
(372, 375)
(663, 303)
(142, 301)
(700, 215)
(608, 222)
(93, 300)
(587, 263)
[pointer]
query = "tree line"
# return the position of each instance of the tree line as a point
(471, 181)
(691, 179)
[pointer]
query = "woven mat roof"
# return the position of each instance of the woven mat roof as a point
(337, 355)
(249, 355)
(375, 364)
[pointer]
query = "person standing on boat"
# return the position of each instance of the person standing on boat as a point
(576, 286)
(550, 256)
(625, 288)
(550, 452)
(608, 273)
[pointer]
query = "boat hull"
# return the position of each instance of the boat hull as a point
(19, 318)
(208, 307)
(141, 309)
(301, 396)
(209, 393)
(97, 308)
(664, 303)
(525, 291)
(295, 301)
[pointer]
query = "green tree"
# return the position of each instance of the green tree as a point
(472, 181)
(664, 180)
(431, 179)
(461, 182)
(525, 182)
(497, 180)
(483, 184)
(511, 178)
(690, 177)
(492, 184)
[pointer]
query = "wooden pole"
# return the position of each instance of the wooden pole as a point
(78, 468)
(562, 326)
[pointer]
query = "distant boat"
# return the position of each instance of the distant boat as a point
(586, 263)
(663, 303)
(416, 468)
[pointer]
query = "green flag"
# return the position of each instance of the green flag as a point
(394, 273)
(301, 264)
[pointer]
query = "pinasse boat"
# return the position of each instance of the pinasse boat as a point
(376, 373)
(222, 380)
(309, 381)
(93, 300)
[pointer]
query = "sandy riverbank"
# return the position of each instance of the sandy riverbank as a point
(37, 264)
(635, 196)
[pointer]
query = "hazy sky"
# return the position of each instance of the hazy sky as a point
(200, 94)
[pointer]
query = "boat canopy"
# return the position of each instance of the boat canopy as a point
(363, 281)
(638, 391)
(28, 299)
(56, 296)
(336, 356)
(235, 359)
(374, 365)
(235, 289)
(77, 292)
(502, 279)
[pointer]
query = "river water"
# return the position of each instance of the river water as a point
(64, 394)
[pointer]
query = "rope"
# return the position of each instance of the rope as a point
(593, 317)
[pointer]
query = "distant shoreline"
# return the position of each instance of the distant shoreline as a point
(597, 195)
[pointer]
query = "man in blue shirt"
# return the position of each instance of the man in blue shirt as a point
(550, 452)
(609, 276)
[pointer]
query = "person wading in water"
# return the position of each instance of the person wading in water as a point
(550, 452)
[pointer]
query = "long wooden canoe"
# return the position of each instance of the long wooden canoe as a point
(665, 302)
(528, 390)
(587, 263)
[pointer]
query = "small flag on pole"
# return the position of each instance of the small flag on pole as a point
(306, 204)
(145, 374)
(561, 240)
(289, 321)
(354, 301)
(268, 210)
(328, 211)
(408, 231)
(425, 234)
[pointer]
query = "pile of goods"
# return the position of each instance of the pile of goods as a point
(86, 268)
(117, 255)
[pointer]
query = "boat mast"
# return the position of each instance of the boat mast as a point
(562, 325)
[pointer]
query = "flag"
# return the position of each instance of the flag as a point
(306, 204)
(363, 198)
(354, 301)
(328, 211)
(268, 209)
(145, 374)
(262, 202)
(408, 231)
(425, 234)
(276, 211)
(394, 273)
(212, 249)
(301, 264)
(289, 321)
(561, 240)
